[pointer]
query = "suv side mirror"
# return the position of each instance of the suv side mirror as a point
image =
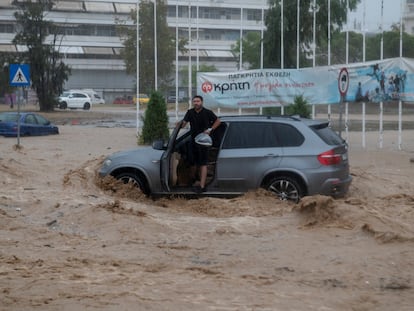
(158, 144)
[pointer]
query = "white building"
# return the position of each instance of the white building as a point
(408, 16)
(91, 46)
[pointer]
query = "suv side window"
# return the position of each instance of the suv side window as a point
(288, 135)
(250, 135)
(261, 135)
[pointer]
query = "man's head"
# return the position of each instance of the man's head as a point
(198, 102)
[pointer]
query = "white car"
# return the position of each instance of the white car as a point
(75, 99)
(95, 97)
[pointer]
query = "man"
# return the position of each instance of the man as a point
(202, 120)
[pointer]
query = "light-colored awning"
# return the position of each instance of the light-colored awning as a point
(99, 7)
(98, 50)
(124, 7)
(7, 48)
(70, 50)
(68, 5)
(209, 53)
(6, 3)
(214, 53)
(118, 51)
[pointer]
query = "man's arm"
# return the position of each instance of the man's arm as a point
(214, 126)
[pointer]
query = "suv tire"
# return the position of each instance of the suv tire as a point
(285, 188)
(135, 179)
(86, 106)
(63, 105)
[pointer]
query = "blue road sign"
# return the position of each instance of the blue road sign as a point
(19, 74)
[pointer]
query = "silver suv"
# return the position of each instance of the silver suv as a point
(290, 156)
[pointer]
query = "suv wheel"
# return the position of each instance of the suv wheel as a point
(63, 105)
(86, 106)
(135, 179)
(285, 188)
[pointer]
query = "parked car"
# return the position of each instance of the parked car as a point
(95, 98)
(124, 100)
(143, 99)
(74, 99)
(171, 99)
(290, 156)
(31, 124)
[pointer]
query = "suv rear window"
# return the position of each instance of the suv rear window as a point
(261, 135)
(327, 134)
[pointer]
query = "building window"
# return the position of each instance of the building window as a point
(6, 28)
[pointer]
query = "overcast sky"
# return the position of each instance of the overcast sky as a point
(391, 14)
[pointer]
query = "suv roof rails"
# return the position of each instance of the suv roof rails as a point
(266, 116)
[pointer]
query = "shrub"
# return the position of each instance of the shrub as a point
(155, 120)
(299, 107)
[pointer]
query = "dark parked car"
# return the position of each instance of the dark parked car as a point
(31, 124)
(125, 100)
(292, 157)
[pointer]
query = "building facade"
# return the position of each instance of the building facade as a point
(91, 46)
(408, 16)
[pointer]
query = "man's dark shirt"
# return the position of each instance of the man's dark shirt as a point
(199, 121)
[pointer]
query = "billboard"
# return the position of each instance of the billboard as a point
(375, 81)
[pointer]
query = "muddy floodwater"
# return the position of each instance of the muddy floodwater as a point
(72, 241)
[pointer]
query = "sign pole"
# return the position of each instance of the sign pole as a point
(19, 75)
(18, 121)
(341, 105)
(343, 84)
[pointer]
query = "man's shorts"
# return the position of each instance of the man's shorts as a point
(200, 154)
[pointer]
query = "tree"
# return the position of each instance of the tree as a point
(272, 38)
(155, 119)
(5, 60)
(299, 107)
(48, 73)
(165, 46)
(251, 50)
(202, 68)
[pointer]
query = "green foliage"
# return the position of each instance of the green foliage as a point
(48, 73)
(202, 68)
(272, 38)
(5, 60)
(251, 50)
(165, 46)
(155, 119)
(299, 107)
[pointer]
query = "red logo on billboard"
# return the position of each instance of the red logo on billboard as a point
(207, 87)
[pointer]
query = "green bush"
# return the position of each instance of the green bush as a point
(155, 120)
(299, 107)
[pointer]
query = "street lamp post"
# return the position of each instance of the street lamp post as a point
(314, 9)
(137, 60)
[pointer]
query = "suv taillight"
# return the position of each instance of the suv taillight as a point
(329, 157)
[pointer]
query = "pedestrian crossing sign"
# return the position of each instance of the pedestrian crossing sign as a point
(19, 74)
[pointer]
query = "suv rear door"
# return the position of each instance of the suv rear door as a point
(250, 149)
